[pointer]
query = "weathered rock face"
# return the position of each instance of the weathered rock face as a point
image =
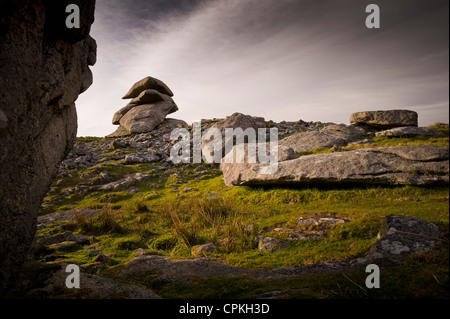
(44, 67)
(331, 135)
(384, 119)
(402, 236)
(146, 84)
(419, 165)
(145, 118)
(409, 132)
(151, 103)
(235, 121)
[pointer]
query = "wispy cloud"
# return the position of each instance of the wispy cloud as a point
(283, 60)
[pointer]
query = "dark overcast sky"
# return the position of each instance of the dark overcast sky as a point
(281, 59)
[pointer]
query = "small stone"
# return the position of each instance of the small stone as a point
(269, 244)
(103, 259)
(139, 252)
(200, 250)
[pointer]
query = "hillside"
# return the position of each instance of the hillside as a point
(116, 201)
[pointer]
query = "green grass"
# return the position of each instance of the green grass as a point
(166, 220)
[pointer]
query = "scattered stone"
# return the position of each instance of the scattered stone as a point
(316, 221)
(128, 180)
(201, 250)
(269, 244)
(141, 158)
(384, 119)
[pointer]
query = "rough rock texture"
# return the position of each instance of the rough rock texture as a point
(419, 165)
(269, 244)
(44, 67)
(236, 120)
(331, 135)
(146, 84)
(145, 97)
(201, 250)
(409, 131)
(145, 118)
(384, 119)
(151, 103)
(402, 236)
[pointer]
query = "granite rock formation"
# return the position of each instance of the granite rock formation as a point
(415, 165)
(151, 103)
(44, 67)
(384, 119)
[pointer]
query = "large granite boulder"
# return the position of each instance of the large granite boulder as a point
(400, 237)
(417, 165)
(145, 118)
(232, 122)
(329, 136)
(384, 119)
(146, 84)
(44, 67)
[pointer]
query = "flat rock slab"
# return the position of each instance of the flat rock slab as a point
(147, 83)
(384, 119)
(331, 135)
(418, 165)
(409, 131)
(127, 180)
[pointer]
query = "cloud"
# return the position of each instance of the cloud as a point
(283, 60)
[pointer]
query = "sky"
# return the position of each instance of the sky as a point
(284, 60)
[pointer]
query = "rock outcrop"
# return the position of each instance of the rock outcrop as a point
(402, 236)
(384, 119)
(419, 165)
(235, 121)
(44, 67)
(151, 103)
(408, 131)
(329, 136)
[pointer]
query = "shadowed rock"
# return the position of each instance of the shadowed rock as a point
(44, 67)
